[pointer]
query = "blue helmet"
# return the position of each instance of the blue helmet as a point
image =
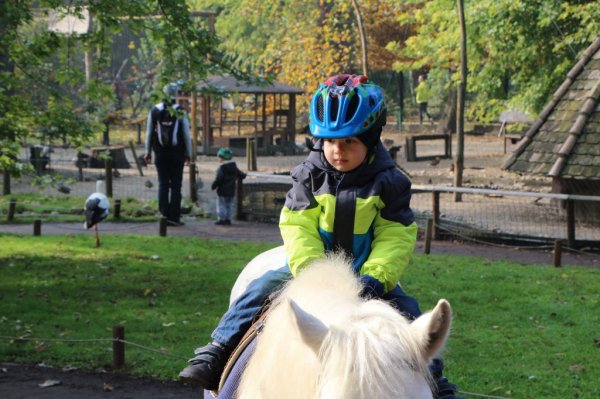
(347, 106)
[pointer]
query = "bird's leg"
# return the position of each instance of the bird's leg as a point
(97, 236)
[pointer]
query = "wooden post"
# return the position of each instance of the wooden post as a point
(557, 253)
(239, 199)
(37, 228)
(139, 132)
(193, 191)
(118, 346)
(135, 157)
(428, 232)
(6, 182)
(162, 227)
(12, 206)
(435, 213)
(108, 177)
(571, 223)
(251, 154)
(117, 212)
(79, 166)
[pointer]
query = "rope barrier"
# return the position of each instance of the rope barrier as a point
(481, 395)
(161, 352)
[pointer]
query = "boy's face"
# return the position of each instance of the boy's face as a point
(345, 154)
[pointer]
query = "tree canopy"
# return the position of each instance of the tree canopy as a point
(47, 91)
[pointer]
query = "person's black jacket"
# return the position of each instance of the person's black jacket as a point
(227, 174)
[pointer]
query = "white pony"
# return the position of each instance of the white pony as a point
(321, 340)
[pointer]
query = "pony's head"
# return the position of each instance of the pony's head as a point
(322, 341)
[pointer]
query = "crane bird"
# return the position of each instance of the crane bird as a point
(96, 209)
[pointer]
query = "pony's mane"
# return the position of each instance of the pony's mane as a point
(368, 351)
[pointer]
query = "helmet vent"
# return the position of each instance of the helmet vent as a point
(371, 101)
(320, 110)
(335, 103)
(352, 107)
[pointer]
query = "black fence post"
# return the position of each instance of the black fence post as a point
(6, 183)
(193, 191)
(571, 223)
(557, 253)
(428, 232)
(37, 227)
(118, 346)
(117, 212)
(435, 213)
(162, 227)
(12, 206)
(108, 177)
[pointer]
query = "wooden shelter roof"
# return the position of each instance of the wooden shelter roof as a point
(230, 84)
(565, 140)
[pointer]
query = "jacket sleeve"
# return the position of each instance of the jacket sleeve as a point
(218, 179)
(187, 138)
(299, 223)
(395, 234)
(149, 129)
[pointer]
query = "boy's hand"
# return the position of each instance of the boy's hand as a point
(372, 288)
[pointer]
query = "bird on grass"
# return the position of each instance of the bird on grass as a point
(96, 210)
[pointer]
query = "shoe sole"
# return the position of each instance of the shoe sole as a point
(196, 381)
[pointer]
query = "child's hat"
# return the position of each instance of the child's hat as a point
(348, 106)
(225, 153)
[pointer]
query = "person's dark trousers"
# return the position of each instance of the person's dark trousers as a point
(423, 111)
(169, 166)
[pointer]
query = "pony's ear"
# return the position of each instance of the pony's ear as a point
(433, 328)
(311, 330)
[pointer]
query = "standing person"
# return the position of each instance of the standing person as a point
(227, 176)
(346, 196)
(168, 135)
(423, 94)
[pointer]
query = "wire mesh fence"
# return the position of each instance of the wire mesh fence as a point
(512, 217)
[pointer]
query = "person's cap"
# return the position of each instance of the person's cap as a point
(171, 90)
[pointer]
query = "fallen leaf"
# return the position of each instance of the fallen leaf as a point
(49, 383)
(168, 324)
(108, 387)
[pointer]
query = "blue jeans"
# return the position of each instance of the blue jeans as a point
(169, 166)
(224, 207)
(238, 319)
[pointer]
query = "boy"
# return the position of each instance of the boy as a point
(227, 175)
(346, 196)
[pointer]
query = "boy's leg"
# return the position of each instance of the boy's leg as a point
(409, 306)
(221, 205)
(228, 209)
(208, 364)
(162, 169)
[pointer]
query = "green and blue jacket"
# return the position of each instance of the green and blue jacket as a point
(365, 212)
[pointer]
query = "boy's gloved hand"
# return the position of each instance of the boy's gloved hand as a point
(372, 288)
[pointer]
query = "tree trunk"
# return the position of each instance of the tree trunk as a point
(460, 105)
(363, 38)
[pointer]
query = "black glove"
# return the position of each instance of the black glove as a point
(371, 287)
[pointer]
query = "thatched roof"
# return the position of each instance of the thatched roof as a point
(230, 84)
(565, 141)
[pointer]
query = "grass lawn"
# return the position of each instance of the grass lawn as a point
(519, 331)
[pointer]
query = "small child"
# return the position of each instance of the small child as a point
(227, 175)
(346, 196)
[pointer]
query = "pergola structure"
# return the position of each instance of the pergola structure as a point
(268, 127)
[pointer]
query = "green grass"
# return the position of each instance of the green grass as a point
(519, 331)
